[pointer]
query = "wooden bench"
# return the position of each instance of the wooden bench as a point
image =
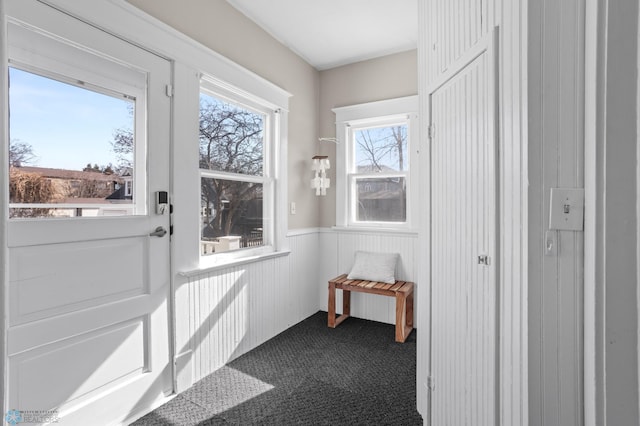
(401, 290)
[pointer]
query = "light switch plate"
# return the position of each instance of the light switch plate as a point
(567, 209)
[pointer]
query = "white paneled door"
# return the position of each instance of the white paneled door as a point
(464, 251)
(88, 314)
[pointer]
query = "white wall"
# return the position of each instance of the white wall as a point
(232, 310)
(556, 160)
(616, 227)
(448, 31)
(337, 250)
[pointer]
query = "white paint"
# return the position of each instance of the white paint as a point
(451, 28)
(566, 209)
(231, 311)
(592, 403)
(423, 270)
(337, 250)
(88, 314)
(273, 179)
(556, 70)
(374, 113)
(4, 201)
(268, 278)
(611, 395)
(125, 20)
(464, 188)
(331, 33)
(638, 210)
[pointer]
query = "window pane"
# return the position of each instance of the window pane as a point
(381, 149)
(231, 215)
(381, 200)
(231, 138)
(70, 149)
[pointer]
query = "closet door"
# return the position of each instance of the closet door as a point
(464, 242)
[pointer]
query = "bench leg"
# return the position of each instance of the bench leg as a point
(331, 311)
(332, 321)
(404, 315)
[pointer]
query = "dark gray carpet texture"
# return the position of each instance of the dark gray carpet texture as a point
(355, 374)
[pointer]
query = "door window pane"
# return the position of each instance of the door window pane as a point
(70, 148)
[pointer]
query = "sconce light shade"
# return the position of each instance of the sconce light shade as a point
(320, 182)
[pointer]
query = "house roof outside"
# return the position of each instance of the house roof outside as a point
(70, 174)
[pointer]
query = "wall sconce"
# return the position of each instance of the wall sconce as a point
(320, 181)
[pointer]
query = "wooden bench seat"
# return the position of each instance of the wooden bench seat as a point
(401, 290)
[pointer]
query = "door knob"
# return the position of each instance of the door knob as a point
(159, 232)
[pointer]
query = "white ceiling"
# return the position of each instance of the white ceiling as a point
(330, 33)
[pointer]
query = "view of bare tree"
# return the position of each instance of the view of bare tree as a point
(231, 140)
(122, 145)
(20, 153)
(30, 188)
(381, 148)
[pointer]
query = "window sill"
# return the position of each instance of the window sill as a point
(234, 262)
(376, 230)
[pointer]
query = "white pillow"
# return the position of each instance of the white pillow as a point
(371, 266)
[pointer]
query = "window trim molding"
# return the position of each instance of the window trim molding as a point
(374, 113)
(273, 180)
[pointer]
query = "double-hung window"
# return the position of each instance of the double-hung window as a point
(236, 176)
(376, 164)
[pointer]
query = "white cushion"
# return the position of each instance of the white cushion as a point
(371, 266)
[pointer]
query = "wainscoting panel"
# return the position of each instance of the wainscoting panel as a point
(338, 250)
(235, 309)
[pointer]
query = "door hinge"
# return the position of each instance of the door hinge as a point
(431, 384)
(431, 130)
(169, 90)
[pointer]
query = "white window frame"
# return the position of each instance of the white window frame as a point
(349, 119)
(272, 123)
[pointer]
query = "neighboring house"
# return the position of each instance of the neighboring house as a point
(381, 199)
(76, 191)
(75, 185)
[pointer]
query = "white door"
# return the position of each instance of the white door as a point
(464, 252)
(88, 335)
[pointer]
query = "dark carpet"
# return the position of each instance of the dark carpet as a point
(355, 374)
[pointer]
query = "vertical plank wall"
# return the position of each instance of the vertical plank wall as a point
(233, 310)
(556, 114)
(337, 252)
(463, 334)
(449, 29)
